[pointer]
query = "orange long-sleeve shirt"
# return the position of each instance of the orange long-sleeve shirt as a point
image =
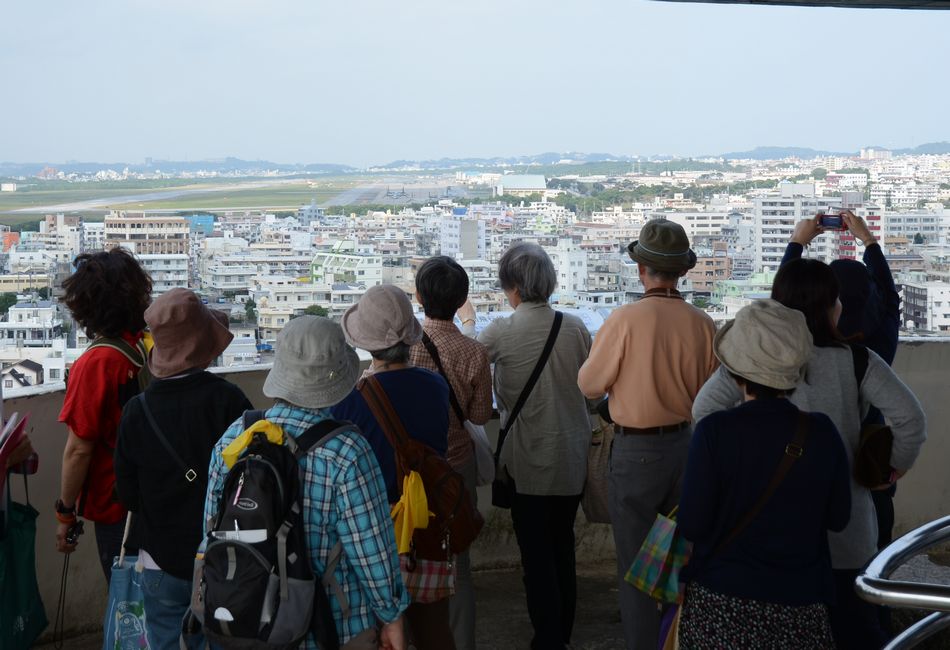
(651, 357)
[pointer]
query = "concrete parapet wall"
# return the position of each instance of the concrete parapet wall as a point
(923, 495)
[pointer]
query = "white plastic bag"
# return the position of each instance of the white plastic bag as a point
(484, 456)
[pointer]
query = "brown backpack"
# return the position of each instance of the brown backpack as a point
(456, 521)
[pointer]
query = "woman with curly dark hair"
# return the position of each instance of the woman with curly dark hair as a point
(107, 295)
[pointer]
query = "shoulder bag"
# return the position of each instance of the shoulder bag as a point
(872, 458)
(502, 488)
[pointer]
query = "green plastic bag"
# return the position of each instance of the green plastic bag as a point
(22, 616)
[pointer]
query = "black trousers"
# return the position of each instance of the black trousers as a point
(544, 526)
(855, 623)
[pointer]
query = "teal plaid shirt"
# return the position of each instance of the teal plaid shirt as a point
(344, 499)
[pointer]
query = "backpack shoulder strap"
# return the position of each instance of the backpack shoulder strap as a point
(385, 414)
(318, 435)
(252, 416)
(136, 355)
(860, 355)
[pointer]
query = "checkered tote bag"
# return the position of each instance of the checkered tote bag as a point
(656, 568)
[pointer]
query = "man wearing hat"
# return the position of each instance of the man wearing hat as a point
(191, 407)
(344, 494)
(651, 358)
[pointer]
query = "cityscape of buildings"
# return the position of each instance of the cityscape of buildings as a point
(266, 268)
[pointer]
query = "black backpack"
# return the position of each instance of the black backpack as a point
(254, 586)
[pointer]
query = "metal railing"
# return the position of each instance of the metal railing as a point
(875, 584)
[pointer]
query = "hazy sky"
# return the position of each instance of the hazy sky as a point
(365, 83)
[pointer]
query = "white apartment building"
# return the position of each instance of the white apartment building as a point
(31, 324)
(282, 293)
(775, 216)
(932, 226)
(482, 275)
(462, 238)
(903, 193)
(26, 259)
(570, 264)
(236, 272)
(59, 233)
(344, 264)
(93, 236)
(167, 271)
(926, 306)
(144, 234)
(310, 214)
(697, 224)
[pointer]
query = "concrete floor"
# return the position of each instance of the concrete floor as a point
(502, 615)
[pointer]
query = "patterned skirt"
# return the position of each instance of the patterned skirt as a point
(710, 620)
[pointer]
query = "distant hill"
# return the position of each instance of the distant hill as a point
(777, 153)
(222, 165)
(547, 158)
(932, 148)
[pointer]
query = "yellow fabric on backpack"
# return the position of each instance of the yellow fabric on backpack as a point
(411, 511)
(233, 451)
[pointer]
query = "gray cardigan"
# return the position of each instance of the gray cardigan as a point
(546, 449)
(829, 387)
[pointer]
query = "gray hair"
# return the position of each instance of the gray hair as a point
(398, 353)
(527, 268)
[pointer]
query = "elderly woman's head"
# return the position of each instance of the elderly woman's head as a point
(811, 287)
(526, 274)
(765, 348)
(382, 323)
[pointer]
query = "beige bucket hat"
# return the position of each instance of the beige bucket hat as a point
(382, 318)
(313, 366)
(767, 343)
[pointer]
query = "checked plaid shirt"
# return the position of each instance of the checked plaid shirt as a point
(343, 499)
(466, 363)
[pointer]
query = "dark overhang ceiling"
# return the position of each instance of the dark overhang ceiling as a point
(857, 4)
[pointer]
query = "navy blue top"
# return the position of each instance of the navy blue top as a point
(869, 300)
(782, 557)
(421, 400)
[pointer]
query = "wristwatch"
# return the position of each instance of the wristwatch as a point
(61, 508)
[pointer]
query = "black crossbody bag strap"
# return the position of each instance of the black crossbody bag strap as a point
(434, 353)
(190, 474)
(793, 451)
(529, 386)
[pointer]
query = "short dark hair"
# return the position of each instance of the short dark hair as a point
(664, 276)
(108, 293)
(760, 391)
(398, 353)
(442, 284)
(810, 286)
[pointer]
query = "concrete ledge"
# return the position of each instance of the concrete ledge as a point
(923, 495)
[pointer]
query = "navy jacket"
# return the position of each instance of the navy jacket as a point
(782, 557)
(870, 302)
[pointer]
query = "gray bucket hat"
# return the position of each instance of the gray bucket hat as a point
(767, 343)
(382, 318)
(313, 367)
(664, 246)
